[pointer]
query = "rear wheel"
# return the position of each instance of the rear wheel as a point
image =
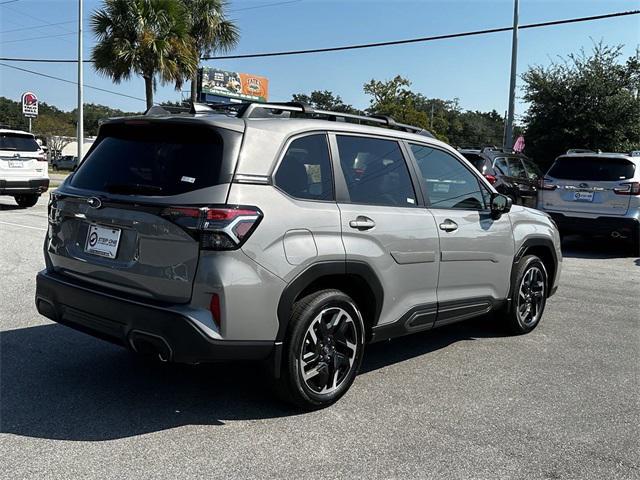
(529, 295)
(323, 349)
(27, 200)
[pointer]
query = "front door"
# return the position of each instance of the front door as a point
(384, 225)
(476, 251)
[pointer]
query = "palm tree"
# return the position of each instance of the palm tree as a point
(149, 38)
(210, 31)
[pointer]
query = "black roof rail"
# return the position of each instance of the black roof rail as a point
(251, 109)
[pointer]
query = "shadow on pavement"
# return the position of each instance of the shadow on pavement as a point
(59, 384)
(575, 246)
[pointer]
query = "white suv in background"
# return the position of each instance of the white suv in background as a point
(24, 171)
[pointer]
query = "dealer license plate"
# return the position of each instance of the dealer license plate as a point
(583, 196)
(102, 241)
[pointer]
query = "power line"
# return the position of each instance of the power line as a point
(23, 29)
(71, 81)
(370, 45)
(276, 4)
(37, 38)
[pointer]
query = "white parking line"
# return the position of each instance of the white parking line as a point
(23, 226)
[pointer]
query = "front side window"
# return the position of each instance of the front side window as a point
(449, 184)
(305, 170)
(516, 168)
(375, 171)
(533, 171)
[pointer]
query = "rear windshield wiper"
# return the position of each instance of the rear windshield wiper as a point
(132, 188)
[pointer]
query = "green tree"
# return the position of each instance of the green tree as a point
(149, 38)
(57, 131)
(210, 31)
(393, 98)
(588, 100)
(325, 100)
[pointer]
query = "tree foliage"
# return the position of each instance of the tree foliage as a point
(149, 38)
(588, 100)
(210, 30)
(325, 100)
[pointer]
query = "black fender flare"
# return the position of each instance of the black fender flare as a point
(526, 245)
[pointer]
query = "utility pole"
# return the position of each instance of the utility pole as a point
(508, 141)
(80, 86)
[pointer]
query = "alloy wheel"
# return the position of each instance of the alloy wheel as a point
(329, 350)
(531, 296)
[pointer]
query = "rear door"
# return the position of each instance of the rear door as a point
(111, 224)
(588, 184)
(384, 225)
(476, 251)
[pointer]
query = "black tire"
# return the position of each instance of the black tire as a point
(26, 200)
(528, 296)
(333, 360)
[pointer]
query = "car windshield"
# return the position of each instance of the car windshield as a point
(153, 160)
(18, 142)
(592, 168)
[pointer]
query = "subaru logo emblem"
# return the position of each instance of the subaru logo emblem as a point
(94, 202)
(16, 155)
(583, 185)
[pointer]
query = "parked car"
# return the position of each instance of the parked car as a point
(595, 194)
(511, 174)
(221, 235)
(23, 167)
(65, 162)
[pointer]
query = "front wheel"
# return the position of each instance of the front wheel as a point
(323, 349)
(26, 200)
(529, 295)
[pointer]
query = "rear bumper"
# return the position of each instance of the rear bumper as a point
(19, 187)
(137, 325)
(596, 226)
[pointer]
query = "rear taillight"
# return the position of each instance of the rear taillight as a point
(41, 157)
(492, 179)
(216, 228)
(546, 184)
(629, 188)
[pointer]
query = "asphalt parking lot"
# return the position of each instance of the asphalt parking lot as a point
(463, 402)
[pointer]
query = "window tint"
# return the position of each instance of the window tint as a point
(375, 171)
(516, 168)
(592, 168)
(305, 170)
(476, 160)
(449, 183)
(18, 142)
(501, 165)
(153, 160)
(533, 171)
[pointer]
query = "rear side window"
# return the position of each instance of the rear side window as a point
(375, 171)
(476, 160)
(516, 168)
(592, 168)
(533, 171)
(17, 142)
(154, 160)
(305, 170)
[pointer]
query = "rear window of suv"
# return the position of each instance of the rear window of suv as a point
(154, 159)
(18, 142)
(592, 168)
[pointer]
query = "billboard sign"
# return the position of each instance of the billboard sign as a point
(29, 104)
(242, 86)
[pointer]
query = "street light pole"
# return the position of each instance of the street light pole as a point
(508, 140)
(80, 86)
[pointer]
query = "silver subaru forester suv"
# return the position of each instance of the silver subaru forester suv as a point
(594, 193)
(286, 234)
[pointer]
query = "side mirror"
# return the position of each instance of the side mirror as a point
(500, 204)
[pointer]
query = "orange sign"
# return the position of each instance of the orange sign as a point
(243, 86)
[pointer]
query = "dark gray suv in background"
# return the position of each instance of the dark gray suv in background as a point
(285, 234)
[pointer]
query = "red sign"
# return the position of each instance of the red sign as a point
(29, 104)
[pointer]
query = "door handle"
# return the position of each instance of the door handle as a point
(362, 223)
(448, 226)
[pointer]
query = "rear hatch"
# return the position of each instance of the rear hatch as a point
(588, 184)
(21, 157)
(112, 223)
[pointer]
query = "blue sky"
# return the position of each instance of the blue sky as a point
(474, 69)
